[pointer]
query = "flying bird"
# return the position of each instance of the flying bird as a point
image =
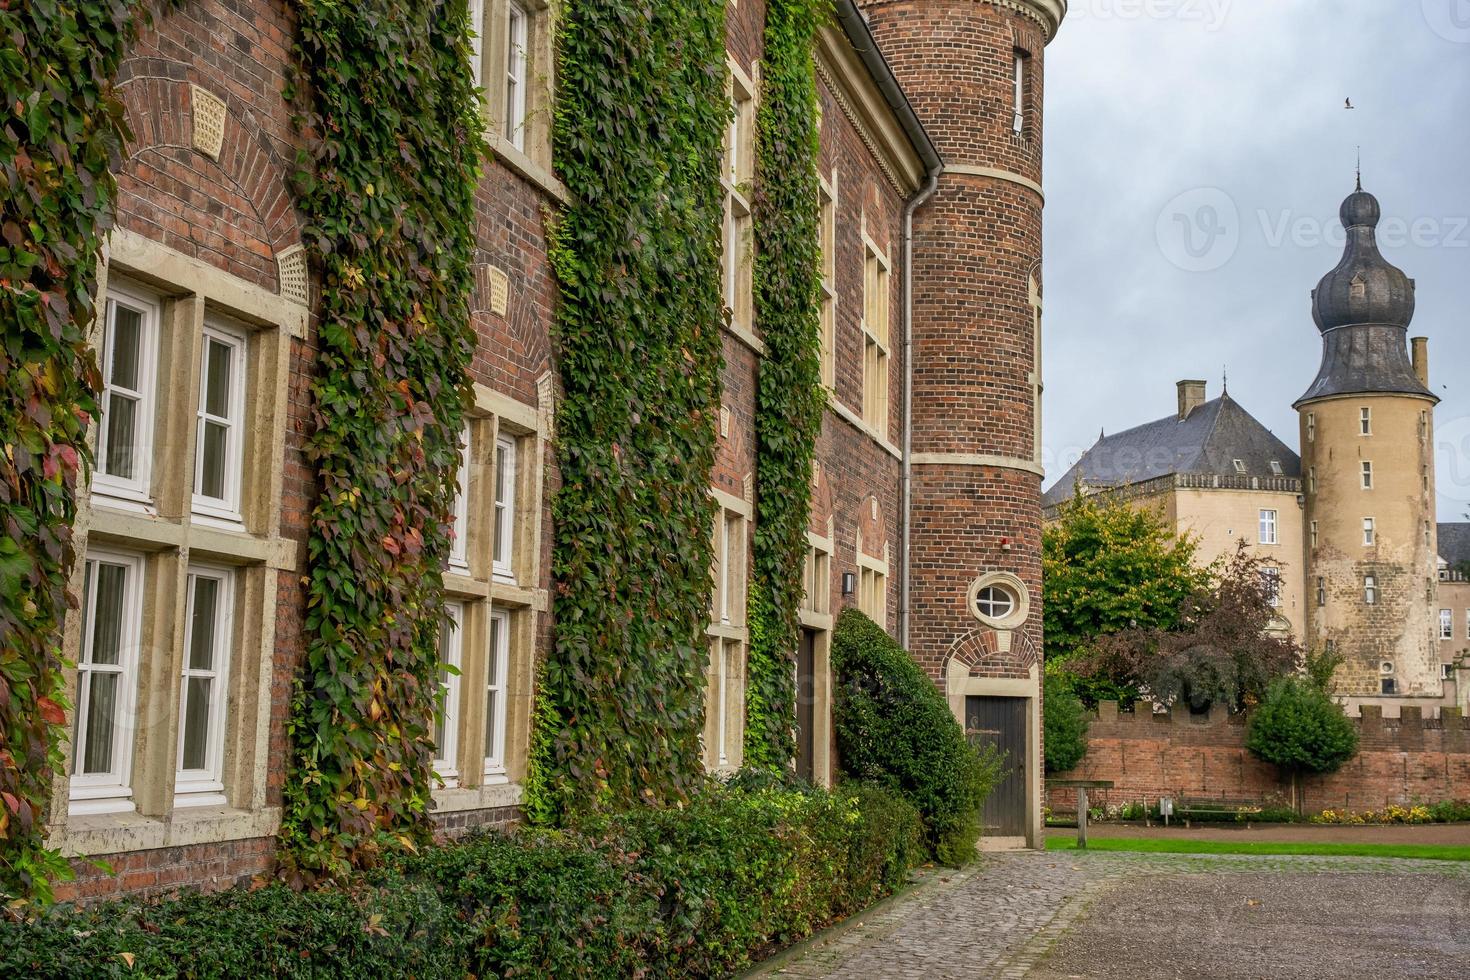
(1348, 104)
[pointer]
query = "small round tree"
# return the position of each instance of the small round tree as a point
(1299, 729)
(1064, 723)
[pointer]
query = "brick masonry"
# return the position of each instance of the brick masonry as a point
(1411, 759)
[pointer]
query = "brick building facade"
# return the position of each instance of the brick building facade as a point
(191, 537)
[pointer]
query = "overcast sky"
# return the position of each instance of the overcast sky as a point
(1225, 120)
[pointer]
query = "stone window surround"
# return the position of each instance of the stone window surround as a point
(1020, 611)
(737, 176)
(726, 636)
(827, 236)
(495, 416)
(876, 416)
(533, 160)
(170, 537)
(869, 567)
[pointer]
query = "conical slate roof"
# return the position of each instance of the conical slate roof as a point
(1205, 443)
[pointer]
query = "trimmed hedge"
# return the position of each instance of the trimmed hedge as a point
(894, 729)
(689, 892)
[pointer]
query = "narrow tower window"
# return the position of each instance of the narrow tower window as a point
(1367, 475)
(1368, 535)
(1370, 590)
(1314, 534)
(1365, 421)
(1018, 104)
(1321, 591)
(1446, 624)
(1311, 426)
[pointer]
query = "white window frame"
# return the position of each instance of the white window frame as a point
(517, 59)
(111, 791)
(1370, 590)
(451, 652)
(1370, 532)
(477, 41)
(990, 608)
(1311, 426)
(226, 508)
(1266, 532)
(1367, 471)
(1365, 421)
(1239, 465)
(205, 787)
(459, 545)
(1321, 591)
(827, 239)
(736, 175)
(1446, 624)
(503, 541)
(495, 690)
(138, 487)
(1018, 106)
(1271, 578)
(1314, 534)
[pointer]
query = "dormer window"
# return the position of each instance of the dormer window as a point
(1276, 467)
(1239, 465)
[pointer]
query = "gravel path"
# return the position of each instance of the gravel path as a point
(1111, 915)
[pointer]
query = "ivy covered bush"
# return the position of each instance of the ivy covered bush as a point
(895, 730)
(669, 893)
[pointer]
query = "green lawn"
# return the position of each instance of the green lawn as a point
(1427, 852)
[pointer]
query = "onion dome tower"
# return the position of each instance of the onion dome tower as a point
(1367, 462)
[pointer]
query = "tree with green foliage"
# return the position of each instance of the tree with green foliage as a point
(894, 728)
(1109, 567)
(1300, 729)
(1225, 647)
(1064, 724)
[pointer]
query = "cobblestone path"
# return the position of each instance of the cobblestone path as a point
(1065, 915)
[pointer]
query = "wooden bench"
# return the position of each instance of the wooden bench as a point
(1238, 810)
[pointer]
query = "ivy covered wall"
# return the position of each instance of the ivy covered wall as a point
(394, 145)
(641, 112)
(789, 396)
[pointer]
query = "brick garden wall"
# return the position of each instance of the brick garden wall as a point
(1400, 760)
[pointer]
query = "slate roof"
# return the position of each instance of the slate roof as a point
(1454, 542)
(1206, 443)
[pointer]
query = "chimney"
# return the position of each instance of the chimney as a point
(1420, 346)
(1191, 396)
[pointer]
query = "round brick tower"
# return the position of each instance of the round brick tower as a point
(973, 70)
(1367, 458)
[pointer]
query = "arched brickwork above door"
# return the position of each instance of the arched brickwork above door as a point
(980, 648)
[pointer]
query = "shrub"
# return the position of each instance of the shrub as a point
(696, 891)
(1064, 722)
(1300, 729)
(894, 729)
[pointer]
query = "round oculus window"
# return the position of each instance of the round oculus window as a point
(994, 602)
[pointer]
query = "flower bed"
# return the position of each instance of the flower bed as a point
(687, 892)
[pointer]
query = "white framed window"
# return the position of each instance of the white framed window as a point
(1018, 93)
(1312, 479)
(1314, 533)
(876, 300)
(1369, 534)
(459, 544)
(477, 41)
(1367, 475)
(995, 602)
(1321, 591)
(517, 39)
(1365, 421)
(873, 594)
(1239, 465)
(1276, 469)
(827, 227)
(1370, 589)
(129, 360)
(1311, 426)
(204, 694)
(446, 718)
(107, 679)
(1271, 584)
(495, 708)
(737, 173)
(1267, 531)
(1446, 624)
(728, 599)
(503, 547)
(219, 441)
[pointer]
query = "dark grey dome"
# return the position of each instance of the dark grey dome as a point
(1364, 288)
